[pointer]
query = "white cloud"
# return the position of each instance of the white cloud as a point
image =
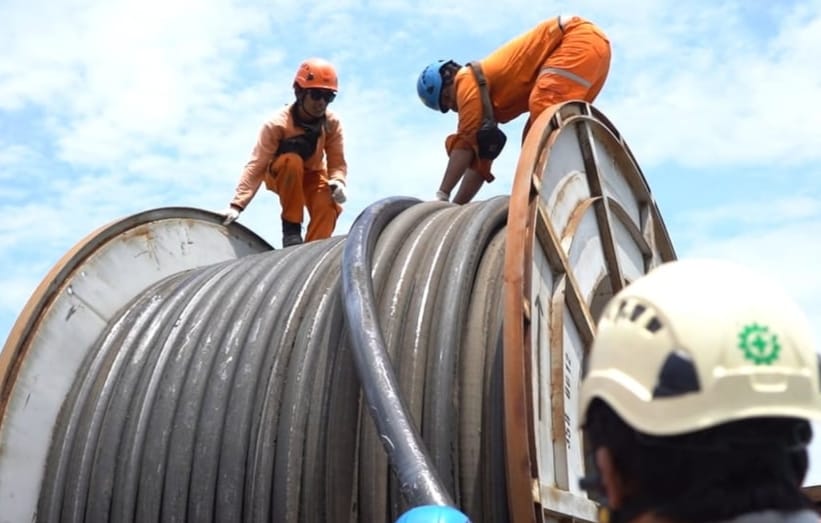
(12, 155)
(759, 214)
(704, 90)
(150, 103)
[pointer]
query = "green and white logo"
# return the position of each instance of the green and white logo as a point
(759, 344)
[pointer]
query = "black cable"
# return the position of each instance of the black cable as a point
(419, 481)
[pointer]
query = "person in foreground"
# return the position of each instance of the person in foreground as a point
(697, 399)
(300, 155)
(563, 58)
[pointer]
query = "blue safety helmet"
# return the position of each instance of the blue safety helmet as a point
(429, 85)
(433, 514)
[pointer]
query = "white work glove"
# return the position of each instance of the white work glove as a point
(338, 192)
(231, 214)
(442, 196)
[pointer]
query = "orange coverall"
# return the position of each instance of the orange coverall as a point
(561, 59)
(299, 183)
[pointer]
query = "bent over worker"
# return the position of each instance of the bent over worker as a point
(563, 58)
(300, 156)
(697, 398)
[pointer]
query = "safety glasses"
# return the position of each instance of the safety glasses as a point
(322, 94)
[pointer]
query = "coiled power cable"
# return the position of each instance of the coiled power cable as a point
(230, 392)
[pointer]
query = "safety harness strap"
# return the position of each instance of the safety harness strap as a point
(490, 139)
(484, 94)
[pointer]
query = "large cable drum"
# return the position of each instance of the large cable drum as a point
(172, 369)
(46, 352)
(582, 224)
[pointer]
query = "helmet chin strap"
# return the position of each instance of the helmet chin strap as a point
(301, 101)
(631, 507)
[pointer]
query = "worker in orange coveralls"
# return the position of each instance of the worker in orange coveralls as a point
(299, 155)
(563, 58)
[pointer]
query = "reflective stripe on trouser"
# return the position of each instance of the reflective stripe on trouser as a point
(576, 70)
(298, 189)
(570, 75)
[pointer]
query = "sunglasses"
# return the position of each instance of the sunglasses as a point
(322, 94)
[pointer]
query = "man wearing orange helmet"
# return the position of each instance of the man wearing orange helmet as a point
(299, 155)
(563, 58)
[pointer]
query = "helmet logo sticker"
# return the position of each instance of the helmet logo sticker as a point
(759, 345)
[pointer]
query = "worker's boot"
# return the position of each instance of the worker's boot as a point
(291, 233)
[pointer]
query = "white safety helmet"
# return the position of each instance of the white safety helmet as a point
(697, 343)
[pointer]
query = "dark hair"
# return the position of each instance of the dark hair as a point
(713, 474)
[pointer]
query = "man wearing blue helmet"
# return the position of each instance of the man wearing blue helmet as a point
(563, 58)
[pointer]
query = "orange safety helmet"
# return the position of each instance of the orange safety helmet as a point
(316, 73)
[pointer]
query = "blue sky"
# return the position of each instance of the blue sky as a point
(108, 108)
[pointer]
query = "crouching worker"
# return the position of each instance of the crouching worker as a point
(697, 399)
(562, 58)
(300, 156)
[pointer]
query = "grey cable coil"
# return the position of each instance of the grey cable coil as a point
(229, 392)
